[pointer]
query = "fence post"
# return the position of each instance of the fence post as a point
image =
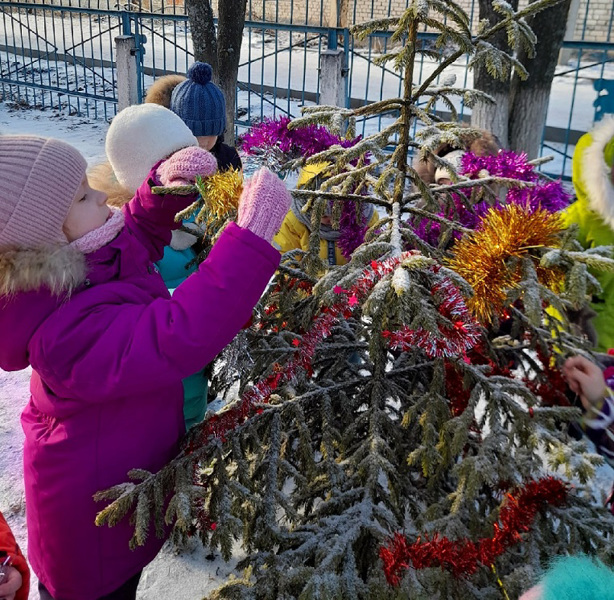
(333, 74)
(127, 78)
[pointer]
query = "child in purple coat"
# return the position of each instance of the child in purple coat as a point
(81, 302)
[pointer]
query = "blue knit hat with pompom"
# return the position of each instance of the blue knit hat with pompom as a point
(199, 102)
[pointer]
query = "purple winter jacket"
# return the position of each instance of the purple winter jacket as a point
(106, 393)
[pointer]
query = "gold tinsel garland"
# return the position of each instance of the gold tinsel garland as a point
(218, 199)
(490, 258)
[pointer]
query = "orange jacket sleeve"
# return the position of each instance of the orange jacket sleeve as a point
(18, 560)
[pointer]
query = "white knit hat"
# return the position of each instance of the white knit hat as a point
(454, 158)
(139, 137)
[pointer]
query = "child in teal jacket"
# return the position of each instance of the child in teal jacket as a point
(137, 136)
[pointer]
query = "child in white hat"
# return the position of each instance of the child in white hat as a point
(81, 303)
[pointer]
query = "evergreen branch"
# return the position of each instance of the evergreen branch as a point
(377, 108)
(433, 76)
(529, 10)
(302, 193)
(419, 212)
(362, 31)
(178, 190)
(469, 183)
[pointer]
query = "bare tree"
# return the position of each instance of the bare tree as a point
(222, 50)
(519, 114)
(493, 117)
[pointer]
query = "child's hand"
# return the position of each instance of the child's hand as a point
(10, 584)
(263, 205)
(182, 167)
(585, 379)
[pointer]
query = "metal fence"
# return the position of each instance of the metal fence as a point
(61, 55)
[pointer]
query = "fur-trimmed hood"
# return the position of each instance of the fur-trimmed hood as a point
(60, 269)
(592, 175)
(33, 283)
(162, 88)
(485, 145)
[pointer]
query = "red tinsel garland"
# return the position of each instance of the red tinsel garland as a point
(463, 557)
(218, 425)
(453, 340)
(550, 387)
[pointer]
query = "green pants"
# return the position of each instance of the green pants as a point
(195, 389)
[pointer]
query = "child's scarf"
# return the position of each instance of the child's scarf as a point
(100, 237)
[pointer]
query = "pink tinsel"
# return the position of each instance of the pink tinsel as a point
(547, 195)
(550, 196)
(304, 142)
(300, 141)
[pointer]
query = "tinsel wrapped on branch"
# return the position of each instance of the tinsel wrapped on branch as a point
(217, 201)
(501, 169)
(463, 557)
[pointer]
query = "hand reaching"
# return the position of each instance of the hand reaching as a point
(182, 167)
(264, 203)
(585, 379)
(11, 583)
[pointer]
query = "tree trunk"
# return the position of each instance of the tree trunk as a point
(530, 103)
(231, 20)
(344, 15)
(493, 117)
(202, 27)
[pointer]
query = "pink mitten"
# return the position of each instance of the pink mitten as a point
(182, 167)
(263, 204)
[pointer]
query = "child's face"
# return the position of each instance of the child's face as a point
(206, 142)
(89, 211)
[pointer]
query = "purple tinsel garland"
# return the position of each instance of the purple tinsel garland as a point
(550, 195)
(300, 141)
(305, 142)
(429, 231)
(352, 230)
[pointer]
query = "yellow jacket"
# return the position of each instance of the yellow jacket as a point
(295, 235)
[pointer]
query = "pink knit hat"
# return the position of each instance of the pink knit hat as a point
(39, 178)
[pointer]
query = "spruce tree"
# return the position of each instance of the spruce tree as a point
(401, 428)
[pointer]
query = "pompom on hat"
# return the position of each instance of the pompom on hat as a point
(199, 102)
(40, 178)
(139, 137)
